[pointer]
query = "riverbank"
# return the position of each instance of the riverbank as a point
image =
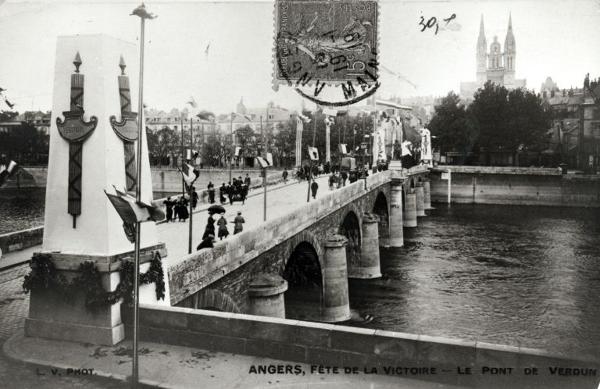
(515, 186)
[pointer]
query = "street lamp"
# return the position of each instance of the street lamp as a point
(143, 14)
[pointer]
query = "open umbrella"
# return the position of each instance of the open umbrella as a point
(215, 209)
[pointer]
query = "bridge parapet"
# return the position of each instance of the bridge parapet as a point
(193, 272)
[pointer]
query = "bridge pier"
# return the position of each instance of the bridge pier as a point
(396, 238)
(369, 265)
(420, 200)
(266, 295)
(427, 193)
(410, 210)
(336, 302)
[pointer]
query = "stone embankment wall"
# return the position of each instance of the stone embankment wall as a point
(335, 345)
(515, 186)
(19, 240)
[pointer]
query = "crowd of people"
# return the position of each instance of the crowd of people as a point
(222, 232)
(233, 191)
(176, 208)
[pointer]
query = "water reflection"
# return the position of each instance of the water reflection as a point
(525, 276)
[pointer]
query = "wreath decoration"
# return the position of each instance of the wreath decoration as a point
(44, 276)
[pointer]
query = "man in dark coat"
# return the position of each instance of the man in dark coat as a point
(223, 231)
(222, 193)
(230, 189)
(238, 223)
(313, 187)
(247, 180)
(169, 208)
(211, 192)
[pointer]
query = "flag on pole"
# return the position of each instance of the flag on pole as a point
(305, 119)
(265, 162)
(189, 174)
(132, 211)
(405, 149)
(313, 153)
(342, 148)
(237, 151)
(192, 102)
(7, 171)
(191, 154)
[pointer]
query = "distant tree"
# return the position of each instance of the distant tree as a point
(450, 126)
(246, 139)
(508, 120)
(284, 142)
(169, 143)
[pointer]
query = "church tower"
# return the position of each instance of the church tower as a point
(510, 53)
(481, 53)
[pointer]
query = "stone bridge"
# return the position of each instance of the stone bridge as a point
(310, 252)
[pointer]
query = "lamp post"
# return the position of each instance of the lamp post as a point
(232, 149)
(143, 14)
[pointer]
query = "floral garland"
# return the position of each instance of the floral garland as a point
(44, 276)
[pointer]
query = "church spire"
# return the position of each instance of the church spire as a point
(481, 51)
(509, 42)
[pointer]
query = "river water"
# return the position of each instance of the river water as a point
(515, 275)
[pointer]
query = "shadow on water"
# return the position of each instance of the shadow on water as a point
(502, 274)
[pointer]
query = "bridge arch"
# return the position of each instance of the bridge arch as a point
(212, 300)
(381, 208)
(350, 227)
(303, 272)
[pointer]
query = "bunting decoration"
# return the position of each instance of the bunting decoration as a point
(75, 130)
(126, 129)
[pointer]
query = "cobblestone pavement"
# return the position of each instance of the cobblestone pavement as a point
(14, 305)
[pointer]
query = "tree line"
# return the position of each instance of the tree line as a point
(497, 120)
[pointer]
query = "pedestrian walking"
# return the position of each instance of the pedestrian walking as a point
(210, 228)
(344, 178)
(211, 192)
(194, 198)
(183, 212)
(284, 175)
(222, 193)
(230, 190)
(207, 243)
(331, 181)
(238, 223)
(223, 231)
(169, 208)
(314, 187)
(247, 180)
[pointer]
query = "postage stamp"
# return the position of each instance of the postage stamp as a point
(324, 44)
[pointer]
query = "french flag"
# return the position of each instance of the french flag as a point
(7, 171)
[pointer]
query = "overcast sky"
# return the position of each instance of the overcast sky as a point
(554, 38)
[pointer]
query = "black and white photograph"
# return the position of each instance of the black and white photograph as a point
(296, 194)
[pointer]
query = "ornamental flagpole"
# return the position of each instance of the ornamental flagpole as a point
(143, 14)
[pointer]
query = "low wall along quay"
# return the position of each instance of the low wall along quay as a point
(515, 186)
(371, 351)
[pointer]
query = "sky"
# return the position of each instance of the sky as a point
(554, 38)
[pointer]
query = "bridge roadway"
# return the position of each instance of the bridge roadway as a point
(281, 200)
